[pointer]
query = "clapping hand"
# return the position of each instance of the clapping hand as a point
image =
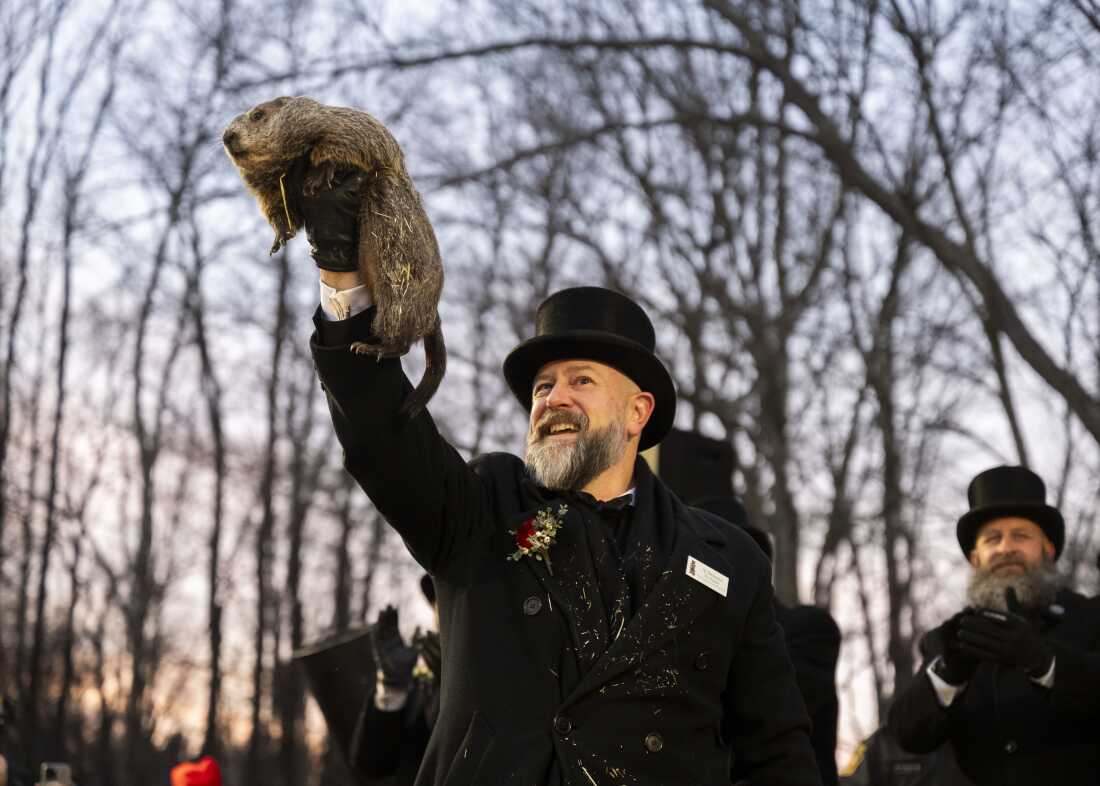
(428, 645)
(958, 663)
(394, 659)
(1008, 638)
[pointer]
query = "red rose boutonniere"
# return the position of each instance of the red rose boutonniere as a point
(535, 536)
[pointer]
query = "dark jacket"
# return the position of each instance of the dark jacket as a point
(543, 686)
(391, 744)
(813, 641)
(1006, 730)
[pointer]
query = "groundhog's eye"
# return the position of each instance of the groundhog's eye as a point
(256, 115)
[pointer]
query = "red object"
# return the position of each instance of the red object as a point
(523, 535)
(204, 772)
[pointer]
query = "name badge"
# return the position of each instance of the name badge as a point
(708, 576)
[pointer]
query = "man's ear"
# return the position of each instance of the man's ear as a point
(974, 557)
(1048, 547)
(639, 410)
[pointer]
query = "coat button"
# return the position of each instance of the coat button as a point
(532, 606)
(1011, 746)
(563, 725)
(702, 660)
(654, 742)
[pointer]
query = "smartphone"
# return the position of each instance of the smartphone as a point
(55, 774)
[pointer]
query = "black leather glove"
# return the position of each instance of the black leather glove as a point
(330, 215)
(958, 665)
(1008, 638)
(393, 658)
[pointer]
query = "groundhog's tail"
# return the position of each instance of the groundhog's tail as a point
(435, 352)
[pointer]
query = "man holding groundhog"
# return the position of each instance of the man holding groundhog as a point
(595, 630)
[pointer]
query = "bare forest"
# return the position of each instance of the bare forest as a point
(867, 230)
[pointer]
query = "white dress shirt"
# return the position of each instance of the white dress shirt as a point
(338, 304)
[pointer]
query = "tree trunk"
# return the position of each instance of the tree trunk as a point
(212, 397)
(265, 532)
(68, 666)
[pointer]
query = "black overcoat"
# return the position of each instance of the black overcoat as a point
(540, 688)
(1006, 730)
(388, 745)
(813, 642)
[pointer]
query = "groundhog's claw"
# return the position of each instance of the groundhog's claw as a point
(320, 177)
(379, 350)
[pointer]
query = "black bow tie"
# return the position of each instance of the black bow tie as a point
(611, 510)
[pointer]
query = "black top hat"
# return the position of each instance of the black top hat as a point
(592, 323)
(1009, 491)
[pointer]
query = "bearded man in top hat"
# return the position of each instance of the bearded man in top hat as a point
(595, 630)
(1012, 680)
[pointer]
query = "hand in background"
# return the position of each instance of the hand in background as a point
(393, 658)
(958, 663)
(429, 648)
(1008, 638)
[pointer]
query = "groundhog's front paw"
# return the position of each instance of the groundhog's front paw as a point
(279, 242)
(318, 178)
(380, 351)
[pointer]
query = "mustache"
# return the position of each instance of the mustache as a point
(1005, 561)
(558, 418)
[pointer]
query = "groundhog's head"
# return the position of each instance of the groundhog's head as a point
(268, 136)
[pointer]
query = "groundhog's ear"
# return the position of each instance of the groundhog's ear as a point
(281, 100)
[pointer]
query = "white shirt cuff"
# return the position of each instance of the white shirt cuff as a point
(338, 304)
(1047, 680)
(945, 691)
(388, 699)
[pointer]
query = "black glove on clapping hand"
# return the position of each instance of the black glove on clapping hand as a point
(330, 215)
(393, 658)
(958, 665)
(1008, 638)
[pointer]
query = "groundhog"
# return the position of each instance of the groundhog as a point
(294, 145)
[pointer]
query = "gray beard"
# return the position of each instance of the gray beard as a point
(571, 467)
(1035, 588)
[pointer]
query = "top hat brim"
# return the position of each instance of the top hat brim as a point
(628, 357)
(1048, 519)
(340, 671)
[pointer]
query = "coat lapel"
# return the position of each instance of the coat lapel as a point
(570, 584)
(675, 601)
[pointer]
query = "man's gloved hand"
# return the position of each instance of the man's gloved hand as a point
(1008, 638)
(330, 215)
(958, 665)
(392, 657)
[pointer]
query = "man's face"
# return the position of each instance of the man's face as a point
(1010, 545)
(584, 414)
(1014, 553)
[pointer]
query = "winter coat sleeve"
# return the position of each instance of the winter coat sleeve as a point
(917, 720)
(415, 479)
(1076, 689)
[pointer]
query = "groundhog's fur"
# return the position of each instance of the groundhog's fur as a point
(288, 145)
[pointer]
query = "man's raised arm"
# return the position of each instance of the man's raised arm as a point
(416, 480)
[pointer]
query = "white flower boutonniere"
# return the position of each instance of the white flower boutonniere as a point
(535, 536)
